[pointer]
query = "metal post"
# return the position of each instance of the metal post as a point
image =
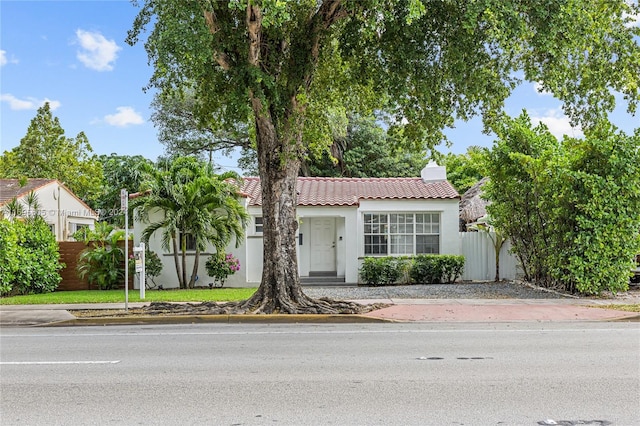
(124, 205)
(143, 273)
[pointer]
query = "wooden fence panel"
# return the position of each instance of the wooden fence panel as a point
(69, 253)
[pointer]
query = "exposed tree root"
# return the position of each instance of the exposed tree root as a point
(265, 306)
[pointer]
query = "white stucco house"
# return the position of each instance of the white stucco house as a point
(61, 209)
(342, 220)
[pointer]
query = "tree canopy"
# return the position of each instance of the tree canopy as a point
(465, 170)
(119, 171)
(45, 152)
(368, 150)
(569, 207)
(293, 66)
(181, 132)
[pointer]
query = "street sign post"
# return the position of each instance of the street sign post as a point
(124, 205)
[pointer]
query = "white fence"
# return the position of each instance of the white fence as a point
(480, 260)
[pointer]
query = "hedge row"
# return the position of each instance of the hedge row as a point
(420, 269)
(29, 257)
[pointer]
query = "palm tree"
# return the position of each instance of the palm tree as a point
(28, 208)
(193, 202)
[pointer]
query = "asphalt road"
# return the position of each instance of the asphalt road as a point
(331, 374)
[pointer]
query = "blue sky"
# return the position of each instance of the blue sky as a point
(73, 54)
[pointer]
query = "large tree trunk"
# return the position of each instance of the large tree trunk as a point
(279, 144)
(279, 162)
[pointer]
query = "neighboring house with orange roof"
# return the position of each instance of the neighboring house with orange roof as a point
(61, 209)
(343, 220)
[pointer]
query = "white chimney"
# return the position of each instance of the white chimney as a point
(433, 173)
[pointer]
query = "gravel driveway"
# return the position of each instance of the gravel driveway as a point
(475, 290)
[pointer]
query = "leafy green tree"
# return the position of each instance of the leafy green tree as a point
(181, 132)
(516, 195)
(118, 171)
(291, 64)
(193, 203)
(570, 208)
(465, 170)
(595, 207)
(368, 150)
(45, 152)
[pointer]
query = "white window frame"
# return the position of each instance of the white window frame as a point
(76, 226)
(258, 222)
(400, 233)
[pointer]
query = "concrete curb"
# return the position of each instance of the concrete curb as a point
(635, 318)
(223, 319)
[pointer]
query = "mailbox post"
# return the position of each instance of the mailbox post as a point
(139, 253)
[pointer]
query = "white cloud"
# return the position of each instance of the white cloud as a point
(540, 90)
(27, 103)
(3, 59)
(97, 52)
(558, 123)
(124, 117)
(634, 19)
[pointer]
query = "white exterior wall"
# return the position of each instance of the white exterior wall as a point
(61, 210)
(168, 278)
(349, 240)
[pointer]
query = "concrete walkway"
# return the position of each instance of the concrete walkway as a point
(401, 310)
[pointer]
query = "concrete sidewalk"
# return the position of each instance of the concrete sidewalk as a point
(401, 310)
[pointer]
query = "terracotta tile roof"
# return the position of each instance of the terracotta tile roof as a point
(10, 188)
(319, 191)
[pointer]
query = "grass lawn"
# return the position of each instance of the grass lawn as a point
(117, 296)
(627, 308)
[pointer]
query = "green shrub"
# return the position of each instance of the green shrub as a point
(9, 255)
(382, 270)
(426, 269)
(29, 257)
(421, 269)
(219, 268)
(101, 262)
(436, 268)
(152, 265)
(452, 267)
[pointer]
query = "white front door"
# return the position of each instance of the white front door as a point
(323, 244)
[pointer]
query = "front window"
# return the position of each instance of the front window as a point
(375, 234)
(259, 225)
(190, 243)
(427, 233)
(401, 233)
(78, 231)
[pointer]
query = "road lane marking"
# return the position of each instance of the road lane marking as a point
(139, 333)
(56, 362)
